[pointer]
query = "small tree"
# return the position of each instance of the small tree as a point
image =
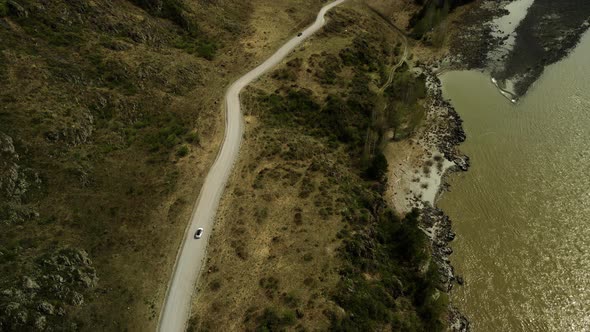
(378, 167)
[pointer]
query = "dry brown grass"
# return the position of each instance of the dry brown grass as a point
(272, 224)
(275, 240)
(132, 213)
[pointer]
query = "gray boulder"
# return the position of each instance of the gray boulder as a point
(46, 308)
(29, 283)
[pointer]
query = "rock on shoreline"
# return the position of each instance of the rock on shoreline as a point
(421, 164)
(436, 224)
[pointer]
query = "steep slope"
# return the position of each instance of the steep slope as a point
(110, 116)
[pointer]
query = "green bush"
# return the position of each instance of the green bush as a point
(203, 48)
(183, 151)
(3, 8)
(272, 320)
(206, 49)
(361, 54)
(378, 168)
(193, 138)
(162, 131)
(330, 66)
(284, 74)
(394, 254)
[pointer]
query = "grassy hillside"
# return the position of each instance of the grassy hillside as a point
(110, 114)
(304, 239)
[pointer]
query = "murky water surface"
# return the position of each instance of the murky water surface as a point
(505, 26)
(522, 212)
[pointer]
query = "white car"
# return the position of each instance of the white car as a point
(198, 233)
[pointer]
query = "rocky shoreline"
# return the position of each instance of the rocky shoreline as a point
(470, 51)
(433, 220)
(418, 178)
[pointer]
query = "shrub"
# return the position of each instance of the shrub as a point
(193, 137)
(298, 218)
(284, 74)
(206, 49)
(378, 167)
(164, 131)
(361, 54)
(183, 151)
(270, 283)
(194, 45)
(291, 300)
(330, 66)
(215, 285)
(272, 320)
(3, 8)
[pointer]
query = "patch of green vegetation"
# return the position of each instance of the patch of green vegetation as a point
(339, 119)
(193, 45)
(406, 87)
(382, 282)
(431, 15)
(193, 138)
(112, 73)
(394, 255)
(170, 133)
(378, 167)
(182, 151)
(206, 49)
(330, 66)
(404, 110)
(361, 53)
(3, 8)
(284, 74)
(273, 320)
(41, 26)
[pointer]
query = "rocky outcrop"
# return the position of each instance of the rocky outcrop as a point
(449, 132)
(54, 286)
(446, 131)
(9, 169)
(15, 182)
(77, 130)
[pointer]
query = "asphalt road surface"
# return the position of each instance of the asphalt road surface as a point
(176, 310)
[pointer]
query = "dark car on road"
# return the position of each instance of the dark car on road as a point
(199, 233)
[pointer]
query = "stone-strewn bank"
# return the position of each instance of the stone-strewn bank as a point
(435, 223)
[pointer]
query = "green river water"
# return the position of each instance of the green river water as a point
(522, 211)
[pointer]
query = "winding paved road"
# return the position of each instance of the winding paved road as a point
(177, 305)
